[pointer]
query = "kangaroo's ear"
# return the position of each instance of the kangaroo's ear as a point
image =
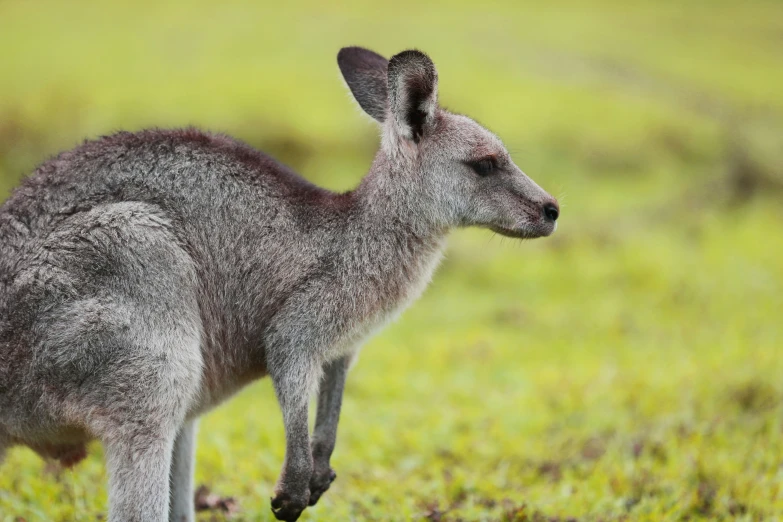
(365, 73)
(413, 92)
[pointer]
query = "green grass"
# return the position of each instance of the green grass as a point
(628, 368)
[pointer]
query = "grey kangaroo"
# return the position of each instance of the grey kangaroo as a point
(146, 277)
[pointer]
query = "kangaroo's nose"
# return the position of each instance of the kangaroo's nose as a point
(551, 211)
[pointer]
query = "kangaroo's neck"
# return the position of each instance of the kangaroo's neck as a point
(386, 200)
(391, 244)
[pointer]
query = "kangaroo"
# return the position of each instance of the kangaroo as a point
(146, 277)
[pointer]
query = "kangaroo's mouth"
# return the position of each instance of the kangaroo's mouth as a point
(532, 220)
(543, 230)
(518, 234)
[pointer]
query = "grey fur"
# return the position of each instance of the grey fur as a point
(145, 278)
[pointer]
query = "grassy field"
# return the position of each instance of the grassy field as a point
(628, 368)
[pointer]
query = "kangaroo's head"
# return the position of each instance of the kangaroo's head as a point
(446, 165)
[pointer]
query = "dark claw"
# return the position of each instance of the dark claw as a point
(277, 502)
(284, 508)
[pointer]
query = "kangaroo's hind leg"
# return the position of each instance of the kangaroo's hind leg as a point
(139, 476)
(182, 501)
(137, 403)
(121, 350)
(137, 411)
(136, 407)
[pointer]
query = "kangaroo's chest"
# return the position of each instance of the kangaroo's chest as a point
(379, 295)
(331, 316)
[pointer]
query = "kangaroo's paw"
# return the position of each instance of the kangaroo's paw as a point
(319, 484)
(287, 507)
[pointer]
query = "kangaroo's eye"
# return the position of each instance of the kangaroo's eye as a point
(483, 167)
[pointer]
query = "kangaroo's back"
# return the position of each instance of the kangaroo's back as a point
(181, 171)
(211, 187)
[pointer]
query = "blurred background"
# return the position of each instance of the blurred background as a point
(627, 368)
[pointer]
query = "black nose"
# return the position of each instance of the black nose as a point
(551, 211)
